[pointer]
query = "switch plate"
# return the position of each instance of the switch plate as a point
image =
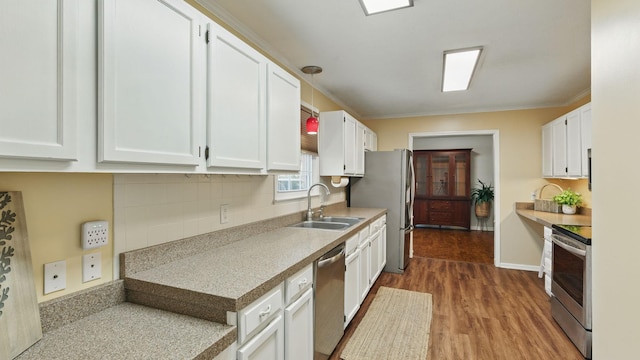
(95, 234)
(224, 213)
(91, 267)
(55, 276)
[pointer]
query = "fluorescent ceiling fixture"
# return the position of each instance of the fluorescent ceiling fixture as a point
(377, 6)
(459, 66)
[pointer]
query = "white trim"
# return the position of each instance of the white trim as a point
(523, 267)
(308, 106)
(496, 177)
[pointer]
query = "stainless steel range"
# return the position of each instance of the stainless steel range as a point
(571, 285)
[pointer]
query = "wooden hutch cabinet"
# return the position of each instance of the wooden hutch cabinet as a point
(443, 187)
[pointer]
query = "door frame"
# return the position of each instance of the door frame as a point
(495, 134)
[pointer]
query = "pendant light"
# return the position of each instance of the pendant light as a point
(312, 121)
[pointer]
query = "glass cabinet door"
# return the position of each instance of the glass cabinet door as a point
(421, 175)
(460, 162)
(440, 175)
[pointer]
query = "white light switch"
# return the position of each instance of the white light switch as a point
(55, 276)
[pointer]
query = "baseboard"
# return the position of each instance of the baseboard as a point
(481, 228)
(535, 268)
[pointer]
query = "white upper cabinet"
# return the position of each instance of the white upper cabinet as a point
(38, 95)
(236, 110)
(370, 140)
(564, 144)
(547, 150)
(283, 120)
(150, 89)
(586, 136)
(340, 144)
(359, 148)
(574, 161)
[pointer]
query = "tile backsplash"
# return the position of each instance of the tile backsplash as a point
(151, 209)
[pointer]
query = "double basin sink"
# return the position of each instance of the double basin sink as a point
(328, 223)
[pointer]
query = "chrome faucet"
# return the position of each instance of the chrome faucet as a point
(309, 211)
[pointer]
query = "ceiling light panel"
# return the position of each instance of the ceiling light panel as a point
(459, 66)
(377, 6)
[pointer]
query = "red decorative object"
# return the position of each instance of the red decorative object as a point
(312, 125)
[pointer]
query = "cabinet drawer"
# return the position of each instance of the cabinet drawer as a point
(363, 235)
(351, 244)
(440, 206)
(440, 217)
(298, 283)
(260, 312)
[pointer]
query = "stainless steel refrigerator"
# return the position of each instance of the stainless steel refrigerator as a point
(388, 183)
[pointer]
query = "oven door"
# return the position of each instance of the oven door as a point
(571, 274)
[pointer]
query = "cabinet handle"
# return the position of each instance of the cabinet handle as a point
(265, 312)
(302, 283)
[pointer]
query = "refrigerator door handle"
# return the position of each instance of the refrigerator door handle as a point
(408, 228)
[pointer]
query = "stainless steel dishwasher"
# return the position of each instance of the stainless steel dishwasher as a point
(329, 302)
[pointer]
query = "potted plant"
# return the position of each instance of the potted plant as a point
(569, 200)
(482, 197)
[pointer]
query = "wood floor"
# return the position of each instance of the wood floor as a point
(459, 245)
(480, 312)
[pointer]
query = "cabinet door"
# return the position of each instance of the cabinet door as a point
(283, 120)
(351, 292)
(268, 344)
(559, 147)
(547, 150)
(236, 116)
(298, 327)
(374, 254)
(574, 144)
(365, 261)
(38, 95)
(150, 87)
(383, 247)
(439, 175)
(585, 134)
(359, 148)
(350, 148)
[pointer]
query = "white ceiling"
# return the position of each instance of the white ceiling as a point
(536, 52)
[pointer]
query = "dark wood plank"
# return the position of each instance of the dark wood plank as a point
(479, 312)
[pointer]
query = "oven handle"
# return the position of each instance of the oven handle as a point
(571, 249)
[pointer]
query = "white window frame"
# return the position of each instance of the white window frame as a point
(302, 193)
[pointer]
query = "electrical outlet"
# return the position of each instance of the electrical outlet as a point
(55, 276)
(224, 213)
(91, 267)
(95, 234)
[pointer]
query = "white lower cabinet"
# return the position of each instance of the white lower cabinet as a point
(298, 328)
(365, 260)
(351, 289)
(268, 344)
(298, 315)
(374, 267)
(383, 244)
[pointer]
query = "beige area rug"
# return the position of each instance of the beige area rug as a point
(396, 326)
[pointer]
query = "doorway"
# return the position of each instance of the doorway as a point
(485, 166)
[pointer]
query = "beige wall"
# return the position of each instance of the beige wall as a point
(520, 165)
(56, 205)
(616, 126)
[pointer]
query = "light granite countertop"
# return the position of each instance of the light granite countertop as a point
(177, 309)
(525, 209)
(130, 331)
(230, 277)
